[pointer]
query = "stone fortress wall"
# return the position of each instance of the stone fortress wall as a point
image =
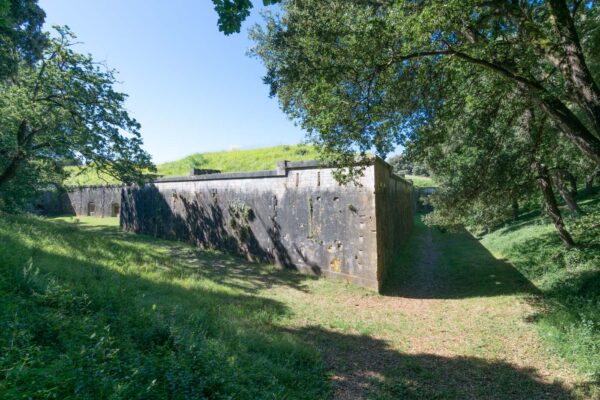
(98, 201)
(296, 216)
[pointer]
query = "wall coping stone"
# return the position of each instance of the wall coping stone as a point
(282, 170)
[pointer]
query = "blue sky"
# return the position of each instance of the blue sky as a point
(192, 88)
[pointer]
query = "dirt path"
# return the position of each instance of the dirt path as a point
(453, 325)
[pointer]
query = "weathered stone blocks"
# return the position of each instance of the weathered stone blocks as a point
(297, 216)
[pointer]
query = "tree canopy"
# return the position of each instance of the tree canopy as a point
(63, 109)
(364, 73)
(21, 35)
(233, 12)
(452, 80)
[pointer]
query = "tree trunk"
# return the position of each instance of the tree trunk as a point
(559, 178)
(571, 127)
(574, 68)
(589, 183)
(23, 143)
(515, 210)
(572, 179)
(551, 205)
(10, 171)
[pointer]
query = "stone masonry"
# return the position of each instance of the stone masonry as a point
(296, 216)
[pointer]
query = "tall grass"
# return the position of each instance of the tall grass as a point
(89, 312)
(569, 280)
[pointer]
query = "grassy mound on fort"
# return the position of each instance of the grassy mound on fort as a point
(225, 161)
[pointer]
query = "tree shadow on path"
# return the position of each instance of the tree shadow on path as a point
(366, 367)
(451, 265)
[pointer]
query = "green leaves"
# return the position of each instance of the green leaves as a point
(233, 12)
(449, 80)
(366, 75)
(64, 110)
(20, 34)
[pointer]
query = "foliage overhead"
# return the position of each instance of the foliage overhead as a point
(21, 35)
(369, 74)
(65, 108)
(233, 12)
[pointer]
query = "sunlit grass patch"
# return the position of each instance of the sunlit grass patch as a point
(421, 181)
(568, 279)
(88, 311)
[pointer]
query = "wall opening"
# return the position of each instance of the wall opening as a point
(311, 212)
(115, 209)
(91, 209)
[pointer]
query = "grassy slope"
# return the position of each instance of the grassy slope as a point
(569, 280)
(88, 311)
(421, 181)
(225, 161)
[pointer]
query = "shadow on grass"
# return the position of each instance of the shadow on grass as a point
(451, 265)
(185, 260)
(159, 338)
(94, 316)
(586, 201)
(567, 273)
(365, 367)
(526, 219)
(570, 278)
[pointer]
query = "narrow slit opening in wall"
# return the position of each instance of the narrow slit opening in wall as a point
(311, 211)
(318, 178)
(297, 178)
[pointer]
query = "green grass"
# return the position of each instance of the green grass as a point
(225, 161)
(89, 312)
(421, 181)
(569, 316)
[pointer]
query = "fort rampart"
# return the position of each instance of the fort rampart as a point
(297, 216)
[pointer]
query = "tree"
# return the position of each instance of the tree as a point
(362, 74)
(401, 165)
(64, 107)
(233, 12)
(478, 158)
(490, 152)
(21, 36)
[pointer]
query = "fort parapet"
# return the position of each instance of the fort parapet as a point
(297, 216)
